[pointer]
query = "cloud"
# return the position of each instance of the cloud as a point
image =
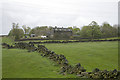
(61, 13)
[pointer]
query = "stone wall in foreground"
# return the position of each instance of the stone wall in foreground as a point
(61, 60)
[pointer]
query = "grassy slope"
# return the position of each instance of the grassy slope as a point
(17, 63)
(110, 38)
(21, 64)
(7, 40)
(102, 55)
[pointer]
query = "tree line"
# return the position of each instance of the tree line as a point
(91, 31)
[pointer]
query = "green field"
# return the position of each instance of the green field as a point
(22, 64)
(102, 55)
(19, 63)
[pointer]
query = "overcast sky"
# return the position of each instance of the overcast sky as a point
(61, 13)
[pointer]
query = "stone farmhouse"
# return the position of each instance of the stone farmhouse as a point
(61, 33)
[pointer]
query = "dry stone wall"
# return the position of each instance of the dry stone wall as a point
(66, 68)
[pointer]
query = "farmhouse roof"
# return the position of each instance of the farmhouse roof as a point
(62, 29)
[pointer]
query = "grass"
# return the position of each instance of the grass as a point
(8, 40)
(19, 63)
(70, 40)
(45, 40)
(110, 38)
(102, 55)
